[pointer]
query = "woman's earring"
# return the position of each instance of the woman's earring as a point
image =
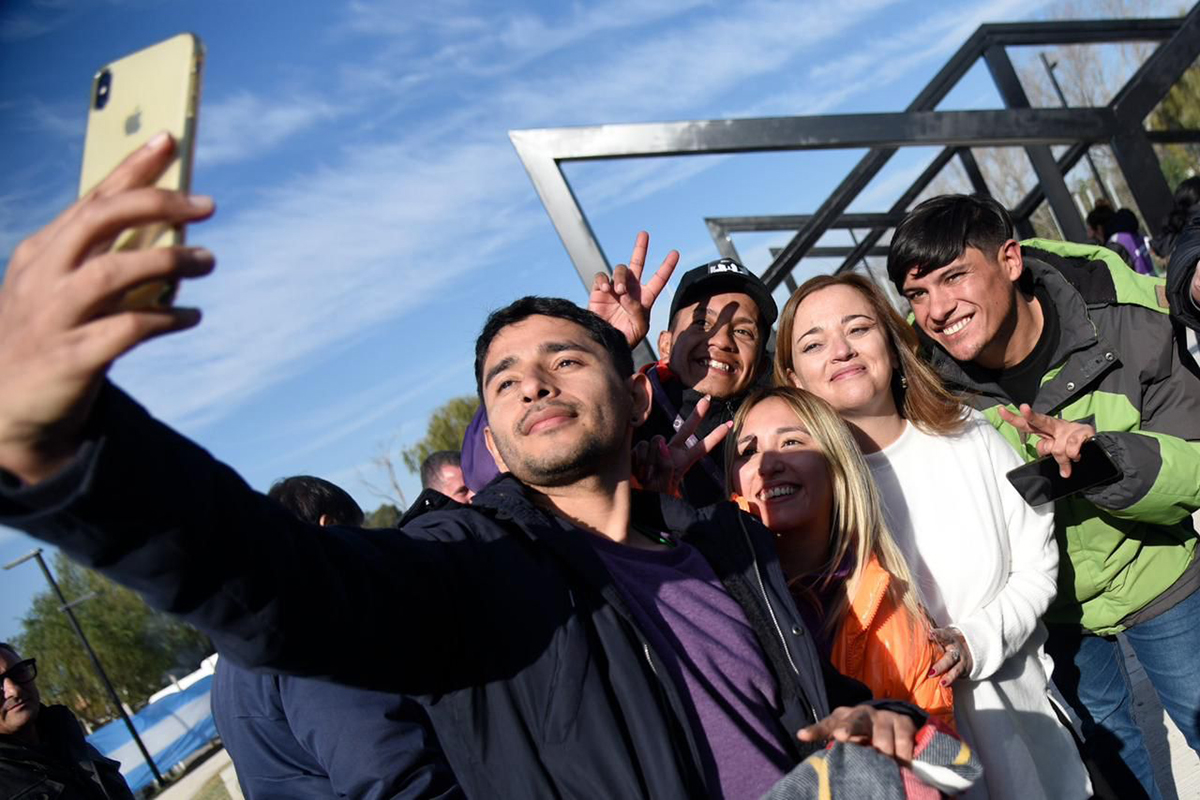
(903, 381)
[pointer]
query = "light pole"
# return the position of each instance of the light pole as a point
(65, 607)
(1062, 98)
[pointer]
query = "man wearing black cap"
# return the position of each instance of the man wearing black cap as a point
(721, 318)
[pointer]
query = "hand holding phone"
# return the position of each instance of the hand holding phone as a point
(132, 100)
(54, 345)
(1041, 481)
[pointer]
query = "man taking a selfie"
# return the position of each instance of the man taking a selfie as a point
(568, 636)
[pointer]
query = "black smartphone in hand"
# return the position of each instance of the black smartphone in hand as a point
(1040, 482)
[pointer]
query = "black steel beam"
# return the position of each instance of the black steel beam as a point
(1143, 173)
(990, 127)
(843, 251)
(1174, 136)
(1092, 31)
(974, 175)
(794, 222)
(1051, 179)
(1066, 163)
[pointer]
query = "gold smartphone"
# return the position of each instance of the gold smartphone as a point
(132, 99)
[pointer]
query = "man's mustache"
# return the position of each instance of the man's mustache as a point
(523, 424)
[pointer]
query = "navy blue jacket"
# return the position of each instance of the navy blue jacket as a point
(308, 739)
(508, 626)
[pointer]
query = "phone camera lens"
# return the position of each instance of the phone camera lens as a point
(103, 89)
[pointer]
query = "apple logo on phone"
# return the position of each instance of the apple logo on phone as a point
(133, 122)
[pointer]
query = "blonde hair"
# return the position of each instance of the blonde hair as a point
(924, 401)
(858, 530)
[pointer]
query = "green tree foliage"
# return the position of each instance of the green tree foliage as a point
(136, 645)
(386, 516)
(1180, 109)
(445, 432)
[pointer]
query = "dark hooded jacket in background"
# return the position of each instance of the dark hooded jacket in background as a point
(63, 766)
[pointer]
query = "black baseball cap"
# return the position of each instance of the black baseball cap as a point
(725, 275)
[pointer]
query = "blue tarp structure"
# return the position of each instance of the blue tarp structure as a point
(172, 728)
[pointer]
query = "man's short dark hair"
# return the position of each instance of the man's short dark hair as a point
(310, 498)
(941, 229)
(9, 648)
(608, 337)
(431, 467)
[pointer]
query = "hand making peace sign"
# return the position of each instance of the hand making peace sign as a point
(1058, 437)
(623, 301)
(659, 466)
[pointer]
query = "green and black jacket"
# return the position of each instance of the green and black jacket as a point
(1118, 366)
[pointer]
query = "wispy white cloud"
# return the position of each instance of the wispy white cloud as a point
(55, 119)
(363, 408)
(883, 61)
(245, 125)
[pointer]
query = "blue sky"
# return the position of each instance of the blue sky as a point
(371, 209)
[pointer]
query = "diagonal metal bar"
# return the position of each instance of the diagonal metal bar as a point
(1158, 73)
(1146, 89)
(1050, 178)
(974, 174)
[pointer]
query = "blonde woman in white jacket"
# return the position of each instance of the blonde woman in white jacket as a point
(984, 562)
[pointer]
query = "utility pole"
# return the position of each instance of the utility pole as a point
(1062, 98)
(65, 607)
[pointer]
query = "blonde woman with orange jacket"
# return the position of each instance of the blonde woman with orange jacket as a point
(793, 463)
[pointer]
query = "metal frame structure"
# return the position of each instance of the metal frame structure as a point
(1120, 125)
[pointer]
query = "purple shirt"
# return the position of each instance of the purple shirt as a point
(702, 636)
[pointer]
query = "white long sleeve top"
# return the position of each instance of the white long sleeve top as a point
(985, 562)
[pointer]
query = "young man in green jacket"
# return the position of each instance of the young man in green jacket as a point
(1058, 343)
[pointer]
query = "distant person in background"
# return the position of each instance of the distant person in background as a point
(1097, 220)
(42, 750)
(1180, 241)
(299, 738)
(1123, 229)
(442, 471)
(1118, 231)
(1186, 204)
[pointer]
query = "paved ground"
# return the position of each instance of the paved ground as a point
(189, 785)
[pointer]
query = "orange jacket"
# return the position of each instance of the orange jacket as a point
(879, 644)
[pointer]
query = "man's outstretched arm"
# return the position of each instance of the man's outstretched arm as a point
(86, 469)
